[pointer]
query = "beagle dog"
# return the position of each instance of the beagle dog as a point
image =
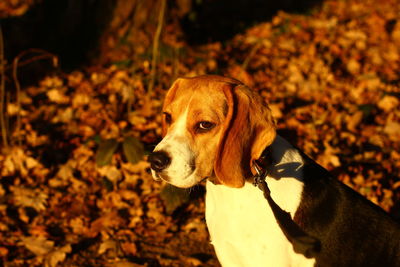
(214, 128)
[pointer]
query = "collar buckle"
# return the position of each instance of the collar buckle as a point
(259, 178)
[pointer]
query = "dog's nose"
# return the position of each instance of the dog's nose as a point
(159, 160)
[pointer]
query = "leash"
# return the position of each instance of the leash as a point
(302, 242)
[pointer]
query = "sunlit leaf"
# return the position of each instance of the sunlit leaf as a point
(106, 151)
(133, 149)
(56, 256)
(38, 245)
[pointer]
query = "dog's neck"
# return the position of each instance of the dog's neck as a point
(284, 165)
(281, 160)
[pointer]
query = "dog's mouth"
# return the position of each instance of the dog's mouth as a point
(156, 176)
(204, 179)
(188, 181)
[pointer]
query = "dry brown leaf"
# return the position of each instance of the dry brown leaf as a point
(40, 246)
(392, 129)
(388, 103)
(27, 197)
(353, 66)
(190, 261)
(80, 99)
(78, 226)
(108, 244)
(57, 256)
(2, 191)
(57, 96)
(106, 221)
(354, 120)
(111, 172)
(13, 109)
(129, 248)
(3, 252)
(155, 211)
(38, 230)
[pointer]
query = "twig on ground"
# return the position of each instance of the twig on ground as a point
(18, 88)
(155, 46)
(250, 56)
(2, 92)
(42, 55)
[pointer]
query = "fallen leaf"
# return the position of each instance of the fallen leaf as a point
(353, 66)
(392, 129)
(111, 172)
(55, 95)
(129, 248)
(354, 120)
(133, 149)
(38, 245)
(57, 256)
(27, 197)
(174, 197)
(108, 244)
(3, 252)
(388, 103)
(110, 219)
(106, 151)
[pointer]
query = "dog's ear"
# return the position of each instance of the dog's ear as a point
(247, 130)
(170, 96)
(263, 128)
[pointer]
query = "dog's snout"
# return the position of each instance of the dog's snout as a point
(159, 160)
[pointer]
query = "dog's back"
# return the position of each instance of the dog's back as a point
(352, 230)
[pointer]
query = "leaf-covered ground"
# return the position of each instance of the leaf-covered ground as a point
(69, 198)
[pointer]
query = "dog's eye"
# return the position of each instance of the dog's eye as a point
(204, 126)
(167, 117)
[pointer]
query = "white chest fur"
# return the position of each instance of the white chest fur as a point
(242, 226)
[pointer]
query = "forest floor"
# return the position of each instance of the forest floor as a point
(76, 190)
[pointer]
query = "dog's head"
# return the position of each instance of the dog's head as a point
(213, 127)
